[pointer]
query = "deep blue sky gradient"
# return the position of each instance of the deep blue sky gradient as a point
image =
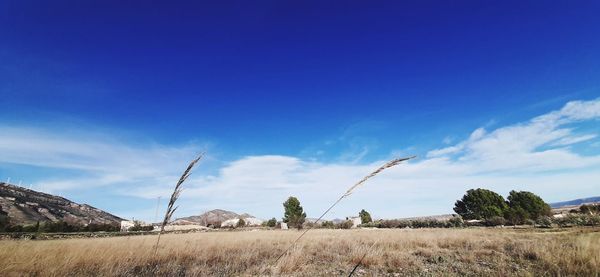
(271, 76)
(290, 77)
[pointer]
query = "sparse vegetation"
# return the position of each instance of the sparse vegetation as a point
(346, 224)
(60, 227)
(588, 209)
(139, 227)
(412, 223)
(446, 252)
(241, 223)
(327, 224)
(456, 221)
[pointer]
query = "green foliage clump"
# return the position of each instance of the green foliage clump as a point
(61, 227)
(139, 227)
(294, 214)
(416, 223)
(456, 221)
(365, 217)
(544, 222)
(524, 206)
(272, 222)
(347, 224)
(495, 221)
(327, 224)
(94, 227)
(592, 220)
(516, 215)
(480, 204)
(241, 223)
(589, 209)
(570, 220)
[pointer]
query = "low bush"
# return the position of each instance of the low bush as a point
(345, 225)
(327, 224)
(544, 222)
(61, 227)
(456, 221)
(272, 222)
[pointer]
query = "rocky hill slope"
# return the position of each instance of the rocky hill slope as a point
(213, 217)
(25, 206)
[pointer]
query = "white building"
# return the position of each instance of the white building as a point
(126, 224)
(356, 220)
(249, 221)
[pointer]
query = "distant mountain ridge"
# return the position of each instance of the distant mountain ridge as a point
(26, 206)
(212, 217)
(576, 202)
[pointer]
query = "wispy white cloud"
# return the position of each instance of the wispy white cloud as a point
(574, 139)
(536, 145)
(532, 155)
(98, 159)
(529, 155)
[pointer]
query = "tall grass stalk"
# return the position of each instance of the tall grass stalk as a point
(346, 194)
(171, 208)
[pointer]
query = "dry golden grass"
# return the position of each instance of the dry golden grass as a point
(427, 252)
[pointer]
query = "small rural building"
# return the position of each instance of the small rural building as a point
(249, 221)
(284, 226)
(356, 220)
(126, 224)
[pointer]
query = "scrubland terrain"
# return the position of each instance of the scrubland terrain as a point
(390, 252)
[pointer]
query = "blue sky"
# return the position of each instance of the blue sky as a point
(105, 103)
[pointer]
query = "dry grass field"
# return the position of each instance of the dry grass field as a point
(390, 252)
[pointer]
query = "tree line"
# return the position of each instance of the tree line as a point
(519, 208)
(478, 207)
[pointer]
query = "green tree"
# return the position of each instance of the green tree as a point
(241, 223)
(365, 217)
(516, 215)
(525, 205)
(480, 204)
(294, 215)
(272, 222)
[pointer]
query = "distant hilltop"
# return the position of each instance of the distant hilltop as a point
(576, 202)
(211, 218)
(25, 206)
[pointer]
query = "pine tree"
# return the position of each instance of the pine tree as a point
(294, 214)
(365, 217)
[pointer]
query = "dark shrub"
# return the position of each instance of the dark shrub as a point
(495, 221)
(456, 221)
(327, 224)
(272, 222)
(544, 222)
(345, 225)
